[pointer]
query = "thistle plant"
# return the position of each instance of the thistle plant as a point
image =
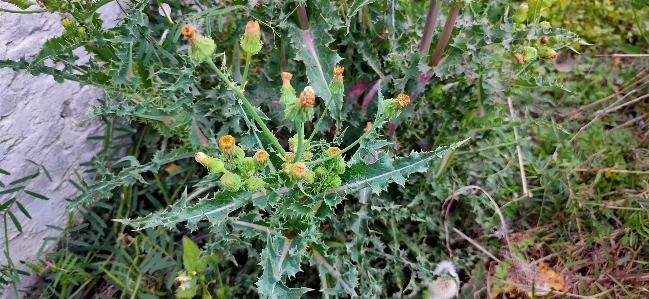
(287, 172)
(298, 189)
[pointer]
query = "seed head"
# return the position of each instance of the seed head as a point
(226, 143)
(403, 100)
(307, 97)
(446, 284)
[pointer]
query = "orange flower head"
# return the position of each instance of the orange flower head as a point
(298, 170)
(286, 77)
(226, 142)
(403, 100)
(520, 58)
(333, 150)
(261, 157)
(338, 70)
(307, 97)
(189, 31)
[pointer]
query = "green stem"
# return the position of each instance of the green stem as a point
(445, 37)
(245, 71)
(22, 11)
(637, 21)
(162, 188)
(252, 111)
(317, 124)
(300, 139)
(380, 120)
(13, 284)
(171, 23)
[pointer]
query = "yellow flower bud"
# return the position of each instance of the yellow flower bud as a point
(226, 143)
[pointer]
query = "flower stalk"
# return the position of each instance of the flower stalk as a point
(248, 107)
(429, 27)
(446, 36)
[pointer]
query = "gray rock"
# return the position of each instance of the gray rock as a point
(43, 121)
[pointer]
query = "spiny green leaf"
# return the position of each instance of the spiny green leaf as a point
(214, 209)
(377, 175)
(55, 46)
(312, 48)
(268, 286)
(354, 8)
(126, 177)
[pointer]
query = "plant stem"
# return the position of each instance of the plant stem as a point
(22, 12)
(245, 71)
(161, 186)
(300, 139)
(317, 124)
(4, 218)
(171, 23)
(446, 35)
(429, 27)
(250, 109)
(282, 54)
(349, 146)
(301, 14)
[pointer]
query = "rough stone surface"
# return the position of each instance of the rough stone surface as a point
(43, 121)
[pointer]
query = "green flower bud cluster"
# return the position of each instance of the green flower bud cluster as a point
(237, 169)
(72, 30)
(392, 107)
(531, 53)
